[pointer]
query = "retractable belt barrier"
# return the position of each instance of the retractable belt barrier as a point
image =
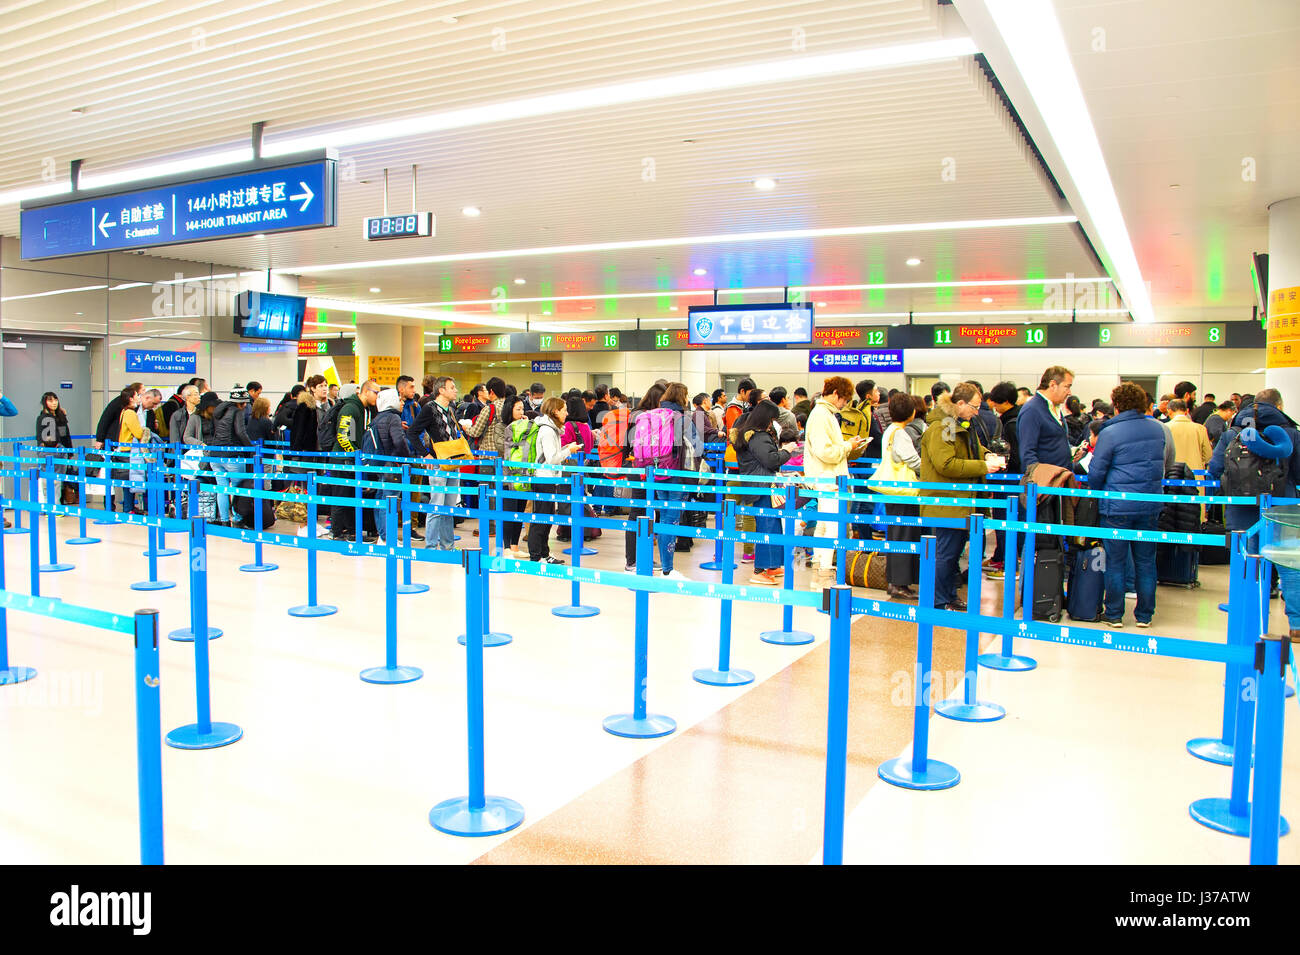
(480, 814)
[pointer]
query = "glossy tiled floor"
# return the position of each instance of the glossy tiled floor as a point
(1088, 766)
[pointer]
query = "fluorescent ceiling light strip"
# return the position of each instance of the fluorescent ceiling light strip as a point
(1033, 37)
(702, 293)
(406, 311)
(721, 239)
(127, 341)
(637, 91)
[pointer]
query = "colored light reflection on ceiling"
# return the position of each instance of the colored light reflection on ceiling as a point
(1214, 266)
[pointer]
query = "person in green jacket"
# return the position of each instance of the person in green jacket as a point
(951, 453)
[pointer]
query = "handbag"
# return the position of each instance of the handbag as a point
(451, 450)
(890, 470)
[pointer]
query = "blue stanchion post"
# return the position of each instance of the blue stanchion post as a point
(33, 540)
(971, 709)
(106, 476)
(358, 513)
(8, 672)
(1008, 659)
(148, 733)
(51, 528)
(406, 587)
(842, 529)
(203, 733)
(719, 515)
(157, 498)
(575, 607)
(81, 537)
(838, 602)
(1233, 814)
(577, 514)
(918, 771)
(1266, 822)
(1219, 750)
(311, 608)
(640, 724)
(153, 583)
(788, 636)
(491, 638)
(198, 579)
(477, 814)
(725, 674)
(258, 566)
(390, 672)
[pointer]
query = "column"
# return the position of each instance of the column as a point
(1282, 365)
(379, 347)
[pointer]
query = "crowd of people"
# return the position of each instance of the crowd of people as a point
(957, 434)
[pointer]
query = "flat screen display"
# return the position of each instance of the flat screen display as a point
(780, 324)
(269, 315)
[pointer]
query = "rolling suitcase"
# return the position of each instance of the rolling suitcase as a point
(1177, 565)
(1049, 583)
(1087, 584)
(1210, 554)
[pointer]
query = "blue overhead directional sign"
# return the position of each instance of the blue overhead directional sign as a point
(259, 197)
(148, 362)
(855, 360)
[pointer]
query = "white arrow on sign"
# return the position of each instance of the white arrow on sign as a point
(104, 222)
(305, 194)
(816, 359)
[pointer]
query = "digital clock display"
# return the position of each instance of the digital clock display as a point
(399, 227)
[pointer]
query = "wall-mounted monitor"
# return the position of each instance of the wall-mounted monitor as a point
(269, 315)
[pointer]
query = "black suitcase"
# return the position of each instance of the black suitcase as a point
(1177, 565)
(1210, 554)
(1049, 583)
(1087, 584)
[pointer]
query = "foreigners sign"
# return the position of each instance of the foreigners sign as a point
(148, 361)
(259, 197)
(855, 360)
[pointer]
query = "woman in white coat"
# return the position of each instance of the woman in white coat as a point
(825, 458)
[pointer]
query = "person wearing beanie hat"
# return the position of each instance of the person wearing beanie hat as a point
(389, 437)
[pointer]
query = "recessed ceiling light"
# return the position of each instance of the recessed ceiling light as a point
(81, 313)
(701, 271)
(913, 261)
(987, 300)
(764, 184)
(375, 288)
(260, 235)
(1175, 185)
(821, 304)
(546, 313)
(688, 141)
(671, 308)
(520, 281)
(450, 19)
(472, 211)
(79, 111)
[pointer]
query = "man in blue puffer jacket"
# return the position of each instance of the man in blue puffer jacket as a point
(1129, 456)
(1266, 431)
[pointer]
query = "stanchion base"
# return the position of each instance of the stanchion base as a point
(731, 677)
(1288, 691)
(100, 521)
(1215, 813)
(1211, 750)
(456, 818)
(412, 588)
(575, 610)
(490, 639)
(163, 552)
(312, 610)
(787, 638)
(1015, 662)
(79, 540)
(391, 674)
(189, 737)
(937, 775)
(56, 568)
(627, 725)
(16, 675)
(154, 585)
(978, 712)
(258, 568)
(585, 552)
(716, 565)
(186, 635)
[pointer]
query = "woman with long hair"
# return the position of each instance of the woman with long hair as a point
(649, 401)
(759, 452)
(52, 432)
(550, 423)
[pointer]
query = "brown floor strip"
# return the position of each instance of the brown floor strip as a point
(746, 785)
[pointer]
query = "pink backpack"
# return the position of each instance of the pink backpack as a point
(652, 438)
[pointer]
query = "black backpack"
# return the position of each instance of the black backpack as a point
(327, 430)
(1247, 474)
